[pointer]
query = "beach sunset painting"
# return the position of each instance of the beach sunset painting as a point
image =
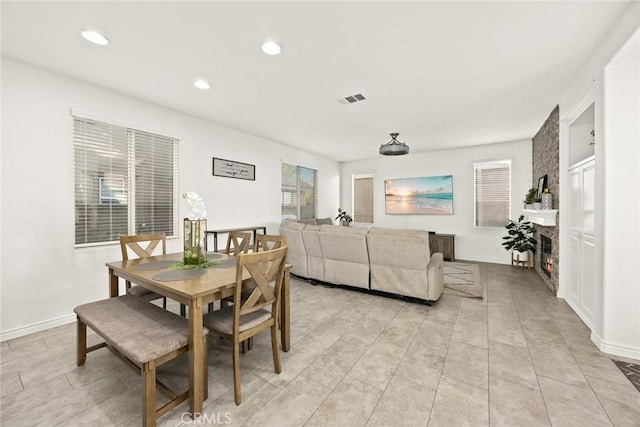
(431, 195)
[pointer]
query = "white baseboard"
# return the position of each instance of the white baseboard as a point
(615, 349)
(36, 327)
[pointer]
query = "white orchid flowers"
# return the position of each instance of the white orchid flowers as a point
(196, 206)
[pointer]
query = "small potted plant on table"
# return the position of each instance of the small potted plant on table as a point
(344, 218)
(520, 240)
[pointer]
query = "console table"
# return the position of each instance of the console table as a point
(253, 228)
(443, 243)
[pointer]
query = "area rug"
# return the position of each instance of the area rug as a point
(631, 371)
(462, 279)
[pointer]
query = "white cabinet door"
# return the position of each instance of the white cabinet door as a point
(581, 287)
(574, 286)
(588, 199)
(588, 280)
(575, 198)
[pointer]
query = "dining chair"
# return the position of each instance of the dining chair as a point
(237, 243)
(248, 317)
(267, 242)
(143, 246)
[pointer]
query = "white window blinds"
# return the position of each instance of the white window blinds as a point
(492, 193)
(298, 192)
(363, 200)
(125, 182)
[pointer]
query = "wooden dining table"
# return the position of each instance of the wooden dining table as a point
(216, 283)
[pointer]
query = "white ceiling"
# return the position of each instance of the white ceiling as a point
(442, 74)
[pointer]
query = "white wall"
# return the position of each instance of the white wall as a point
(474, 244)
(608, 176)
(622, 202)
(43, 277)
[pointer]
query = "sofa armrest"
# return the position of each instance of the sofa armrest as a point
(296, 255)
(435, 277)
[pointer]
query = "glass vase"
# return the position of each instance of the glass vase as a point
(195, 234)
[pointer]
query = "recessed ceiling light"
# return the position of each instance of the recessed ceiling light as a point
(271, 48)
(95, 37)
(201, 84)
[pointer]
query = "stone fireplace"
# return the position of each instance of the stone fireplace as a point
(545, 161)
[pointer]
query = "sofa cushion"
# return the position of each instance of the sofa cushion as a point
(312, 221)
(399, 251)
(346, 259)
(343, 229)
(400, 263)
(399, 232)
(321, 221)
(291, 225)
(315, 260)
(308, 221)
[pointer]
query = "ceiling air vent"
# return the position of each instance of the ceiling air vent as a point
(351, 99)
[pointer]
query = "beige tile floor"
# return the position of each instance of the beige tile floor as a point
(517, 357)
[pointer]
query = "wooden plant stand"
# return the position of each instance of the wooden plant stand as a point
(515, 260)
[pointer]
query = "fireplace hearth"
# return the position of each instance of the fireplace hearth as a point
(546, 257)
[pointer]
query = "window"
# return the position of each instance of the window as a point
(363, 198)
(492, 193)
(298, 192)
(126, 182)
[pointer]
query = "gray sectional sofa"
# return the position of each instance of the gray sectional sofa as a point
(388, 260)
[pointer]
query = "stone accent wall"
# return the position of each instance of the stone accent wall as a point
(546, 160)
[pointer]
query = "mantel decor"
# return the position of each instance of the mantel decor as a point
(542, 184)
(233, 169)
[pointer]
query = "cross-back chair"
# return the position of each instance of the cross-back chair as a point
(267, 242)
(143, 246)
(237, 243)
(250, 316)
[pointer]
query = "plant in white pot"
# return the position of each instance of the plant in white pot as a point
(520, 239)
(344, 218)
(530, 198)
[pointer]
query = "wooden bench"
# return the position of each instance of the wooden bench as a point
(145, 336)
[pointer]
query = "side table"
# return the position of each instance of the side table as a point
(443, 243)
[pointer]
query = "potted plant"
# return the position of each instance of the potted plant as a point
(537, 204)
(344, 218)
(530, 198)
(520, 239)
